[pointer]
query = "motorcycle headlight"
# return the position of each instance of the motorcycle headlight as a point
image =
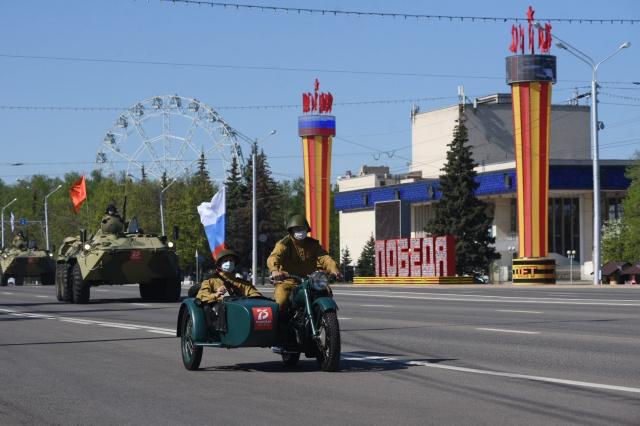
(320, 282)
(170, 244)
(87, 246)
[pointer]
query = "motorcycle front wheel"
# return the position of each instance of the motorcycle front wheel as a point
(328, 342)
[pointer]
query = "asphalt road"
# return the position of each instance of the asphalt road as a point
(444, 355)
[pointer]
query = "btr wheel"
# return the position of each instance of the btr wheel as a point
(290, 359)
(329, 342)
(81, 290)
(172, 289)
(64, 285)
(3, 281)
(59, 283)
(191, 354)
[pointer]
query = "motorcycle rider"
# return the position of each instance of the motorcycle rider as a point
(296, 254)
(111, 222)
(19, 241)
(225, 281)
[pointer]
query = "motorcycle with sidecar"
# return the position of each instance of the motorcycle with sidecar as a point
(311, 328)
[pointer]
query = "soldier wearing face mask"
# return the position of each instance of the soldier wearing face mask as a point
(296, 254)
(224, 281)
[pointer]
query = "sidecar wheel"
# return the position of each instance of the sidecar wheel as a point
(290, 359)
(191, 354)
(329, 342)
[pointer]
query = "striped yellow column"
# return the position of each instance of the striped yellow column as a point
(317, 133)
(531, 78)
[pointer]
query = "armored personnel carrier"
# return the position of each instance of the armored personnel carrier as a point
(123, 257)
(26, 264)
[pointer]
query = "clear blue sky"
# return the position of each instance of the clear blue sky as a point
(164, 32)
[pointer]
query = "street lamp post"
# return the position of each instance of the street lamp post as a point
(571, 254)
(46, 215)
(162, 205)
(6, 205)
(595, 127)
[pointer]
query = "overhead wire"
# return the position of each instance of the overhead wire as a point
(397, 15)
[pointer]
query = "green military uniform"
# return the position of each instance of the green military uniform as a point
(207, 293)
(111, 224)
(297, 258)
(19, 242)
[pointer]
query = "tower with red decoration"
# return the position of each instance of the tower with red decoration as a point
(531, 76)
(317, 127)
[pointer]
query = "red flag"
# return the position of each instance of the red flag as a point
(78, 193)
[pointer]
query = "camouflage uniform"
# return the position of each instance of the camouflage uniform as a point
(297, 258)
(209, 287)
(19, 242)
(111, 224)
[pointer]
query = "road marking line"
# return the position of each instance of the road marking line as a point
(496, 299)
(381, 359)
(7, 293)
(141, 304)
(519, 312)
(378, 306)
(343, 318)
(170, 333)
(43, 297)
(508, 331)
(100, 289)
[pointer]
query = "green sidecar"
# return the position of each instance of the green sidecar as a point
(252, 322)
(312, 329)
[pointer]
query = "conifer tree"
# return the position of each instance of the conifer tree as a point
(366, 266)
(345, 264)
(238, 222)
(460, 213)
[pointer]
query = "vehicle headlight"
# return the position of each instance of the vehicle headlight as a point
(170, 244)
(87, 246)
(50, 254)
(320, 281)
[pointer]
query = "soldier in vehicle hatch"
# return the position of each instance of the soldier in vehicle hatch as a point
(19, 241)
(112, 222)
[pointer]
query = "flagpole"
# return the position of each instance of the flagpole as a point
(254, 212)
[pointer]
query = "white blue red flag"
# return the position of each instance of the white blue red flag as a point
(212, 216)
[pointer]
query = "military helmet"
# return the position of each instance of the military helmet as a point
(226, 253)
(298, 220)
(111, 209)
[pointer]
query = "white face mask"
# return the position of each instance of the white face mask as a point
(300, 235)
(228, 266)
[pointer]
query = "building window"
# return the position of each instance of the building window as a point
(420, 217)
(613, 208)
(564, 226)
(513, 215)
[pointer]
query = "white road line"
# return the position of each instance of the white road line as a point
(508, 331)
(543, 379)
(43, 297)
(495, 299)
(100, 289)
(166, 332)
(378, 306)
(519, 312)
(343, 318)
(8, 293)
(141, 304)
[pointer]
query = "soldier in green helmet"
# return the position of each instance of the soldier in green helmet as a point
(296, 254)
(111, 222)
(19, 241)
(225, 281)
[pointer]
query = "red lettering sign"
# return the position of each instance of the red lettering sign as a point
(415, 257)
(262, 318)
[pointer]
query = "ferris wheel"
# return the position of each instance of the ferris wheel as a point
(164, 136)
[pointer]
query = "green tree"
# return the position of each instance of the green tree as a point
(612, 241)
(366, 265)
(345, 264)
(460, 213)
(631, 218)
(238, 221)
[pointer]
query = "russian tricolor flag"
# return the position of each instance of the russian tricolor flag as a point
(212, 216)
